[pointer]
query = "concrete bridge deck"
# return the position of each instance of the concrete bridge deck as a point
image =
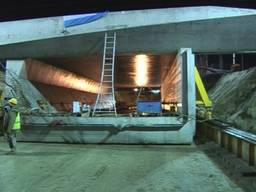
(204, 29)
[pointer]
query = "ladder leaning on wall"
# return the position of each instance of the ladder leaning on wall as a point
(105, 104)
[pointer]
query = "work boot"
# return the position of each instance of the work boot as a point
(13, 149)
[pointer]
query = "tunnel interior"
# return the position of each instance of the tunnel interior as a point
(158, 80)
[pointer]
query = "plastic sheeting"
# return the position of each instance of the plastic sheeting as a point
(73, 20)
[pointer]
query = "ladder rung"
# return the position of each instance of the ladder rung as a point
(103, 108)
(105, 111)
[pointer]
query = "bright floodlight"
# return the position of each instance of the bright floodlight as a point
(141, 66)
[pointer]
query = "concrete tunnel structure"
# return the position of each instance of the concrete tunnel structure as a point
(43, 51)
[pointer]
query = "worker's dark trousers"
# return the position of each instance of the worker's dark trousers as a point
(1, 126)
(11, 138)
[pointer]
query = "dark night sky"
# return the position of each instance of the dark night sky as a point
(26, 9)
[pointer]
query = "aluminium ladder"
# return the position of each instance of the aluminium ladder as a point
(105, 103)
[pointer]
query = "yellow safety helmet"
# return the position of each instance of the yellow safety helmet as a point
(13, 101)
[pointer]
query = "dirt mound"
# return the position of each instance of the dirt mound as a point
(234, 99)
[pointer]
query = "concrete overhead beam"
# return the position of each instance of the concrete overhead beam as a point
(38, 29)
(216, 35)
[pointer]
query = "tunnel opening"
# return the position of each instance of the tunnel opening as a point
(155, 86)
(154, 99)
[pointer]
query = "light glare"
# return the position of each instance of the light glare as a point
(141, 66)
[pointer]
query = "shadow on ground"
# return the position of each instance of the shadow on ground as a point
(237, 170)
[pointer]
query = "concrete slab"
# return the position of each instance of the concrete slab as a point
(204, 29)
(45, 28)
(115, 168)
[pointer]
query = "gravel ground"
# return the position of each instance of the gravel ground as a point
(109, 168)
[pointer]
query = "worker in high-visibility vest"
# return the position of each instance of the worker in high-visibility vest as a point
(11, 122)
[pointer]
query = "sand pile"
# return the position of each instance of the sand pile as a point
(234, 99)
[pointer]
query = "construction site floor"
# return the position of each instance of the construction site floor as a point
(128, 168)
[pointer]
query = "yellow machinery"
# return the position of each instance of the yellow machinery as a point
(203, 103)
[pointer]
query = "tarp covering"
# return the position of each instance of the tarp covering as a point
(73, 20)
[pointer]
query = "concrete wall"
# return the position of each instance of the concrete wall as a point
(128, 130)
(32, 81)
(61, 98)
(43, 73)
(171, 85)
(21, 88)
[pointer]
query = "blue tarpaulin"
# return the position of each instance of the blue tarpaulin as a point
(149, 106)
(73, 20)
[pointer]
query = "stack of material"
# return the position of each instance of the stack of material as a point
(234, 99)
